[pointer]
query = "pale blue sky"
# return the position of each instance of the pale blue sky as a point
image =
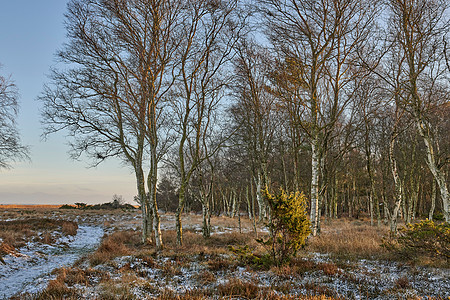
(30, 33)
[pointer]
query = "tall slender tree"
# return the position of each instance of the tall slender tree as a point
(109, 95)
(317, 42)
(419, 28)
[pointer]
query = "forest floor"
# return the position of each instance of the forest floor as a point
(49, 253)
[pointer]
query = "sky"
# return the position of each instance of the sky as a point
(31, 32)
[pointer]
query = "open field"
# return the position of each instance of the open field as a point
(28, 207)
(75, 254)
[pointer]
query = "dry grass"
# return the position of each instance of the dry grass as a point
(205, 277)
(342, 239)
(17, 206)
(319, 289)
(349, 239)
(17, 232)
(57, 289)
(47, 238)
(111, 291)
(195, 244)
(402, 283)
(69, 228)
(217, 263)
(171, 268)
(299, 266)
(238, 288)
(117, 244)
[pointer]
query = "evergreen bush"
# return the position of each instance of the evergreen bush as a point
(289, 225)
(425, 238)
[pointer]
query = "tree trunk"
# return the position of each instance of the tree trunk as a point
(253, 208)
(315, 165)
(349, 202)
(439, 174)
(233, 204)
(152, 181)
(181, 203)
(146, 214)
(415, 200)
(354, 198)
(433, 200)
(206, 228)
(397, 184)
(283, 161)
(260, 198)
(335, 198)
(249, 205)
(372, 197)
(296, 172)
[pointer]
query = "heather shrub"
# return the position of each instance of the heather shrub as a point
(289, 225)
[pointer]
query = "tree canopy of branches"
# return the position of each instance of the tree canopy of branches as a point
(11, 148)
(328, 97)
(110, 95)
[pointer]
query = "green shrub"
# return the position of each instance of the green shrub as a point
(425, 238)
(248, 258)
(289, 225)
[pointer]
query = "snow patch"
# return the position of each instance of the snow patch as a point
(30, 272)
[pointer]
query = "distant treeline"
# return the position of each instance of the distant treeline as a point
(109, 205)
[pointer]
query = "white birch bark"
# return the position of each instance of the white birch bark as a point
(260, 198)
(397, 184)
(438, 174)
(314, 216)
(433, 201)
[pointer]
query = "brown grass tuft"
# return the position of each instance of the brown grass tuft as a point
(57, 289)
(319, 289)
(195, 243)
(205, 277)
(47, 238)
(69, 228)
(402, 282)
(75, 275)
(6, 249)
(112, 291)
(238, 288)
(329, 269)
(171, 268)
(218, 264)
(113, 246)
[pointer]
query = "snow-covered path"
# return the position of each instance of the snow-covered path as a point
(31, 272)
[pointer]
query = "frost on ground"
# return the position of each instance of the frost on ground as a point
(28, 270)
(204, 267)
(147, 279)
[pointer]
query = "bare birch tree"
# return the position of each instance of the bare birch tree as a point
(419, 28)
(317, 43)
(108, 95)
(206, 49)
(11, 148)
(254, 113)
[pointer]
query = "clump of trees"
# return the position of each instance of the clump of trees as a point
(327, 97)
(117, 203)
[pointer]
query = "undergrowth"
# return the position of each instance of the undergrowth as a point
(424, 242)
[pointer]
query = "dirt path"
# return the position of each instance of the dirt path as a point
(30, 272)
